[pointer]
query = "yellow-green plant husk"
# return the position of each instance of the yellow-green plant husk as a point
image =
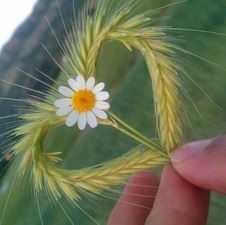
(81, 52)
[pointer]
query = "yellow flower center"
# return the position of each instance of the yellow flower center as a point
(83, 100)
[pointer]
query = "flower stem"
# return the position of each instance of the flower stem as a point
(136, 135)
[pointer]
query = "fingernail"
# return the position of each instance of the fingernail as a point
(189, 150)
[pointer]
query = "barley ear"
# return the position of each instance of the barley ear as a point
(168, 106)
(81, 53)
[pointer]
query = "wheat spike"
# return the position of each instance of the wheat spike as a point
(168, 106)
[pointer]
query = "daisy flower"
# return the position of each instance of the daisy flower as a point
(83, 102)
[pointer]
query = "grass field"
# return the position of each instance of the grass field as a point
(129, 83)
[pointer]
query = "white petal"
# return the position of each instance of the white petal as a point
(62, 102)
(103, 95)
(64, 111)
(98, 88)
(100, 113)
(73, 84)
(82, 121)
(90, 83)
(66, 91)
(81, 82)
(102, 105)
(72, 118)
(91, 119)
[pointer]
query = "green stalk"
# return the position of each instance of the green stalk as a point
(136, 135)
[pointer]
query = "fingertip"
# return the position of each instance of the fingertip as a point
(202, 163)
(189, 150)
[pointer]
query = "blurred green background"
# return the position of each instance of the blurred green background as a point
(127, 78)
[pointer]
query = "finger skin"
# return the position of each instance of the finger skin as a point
(178, 202)
(136, 200)
(203, 163)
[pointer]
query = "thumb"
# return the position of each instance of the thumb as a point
(203, 163)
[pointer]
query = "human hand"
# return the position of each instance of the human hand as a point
(182, 195)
